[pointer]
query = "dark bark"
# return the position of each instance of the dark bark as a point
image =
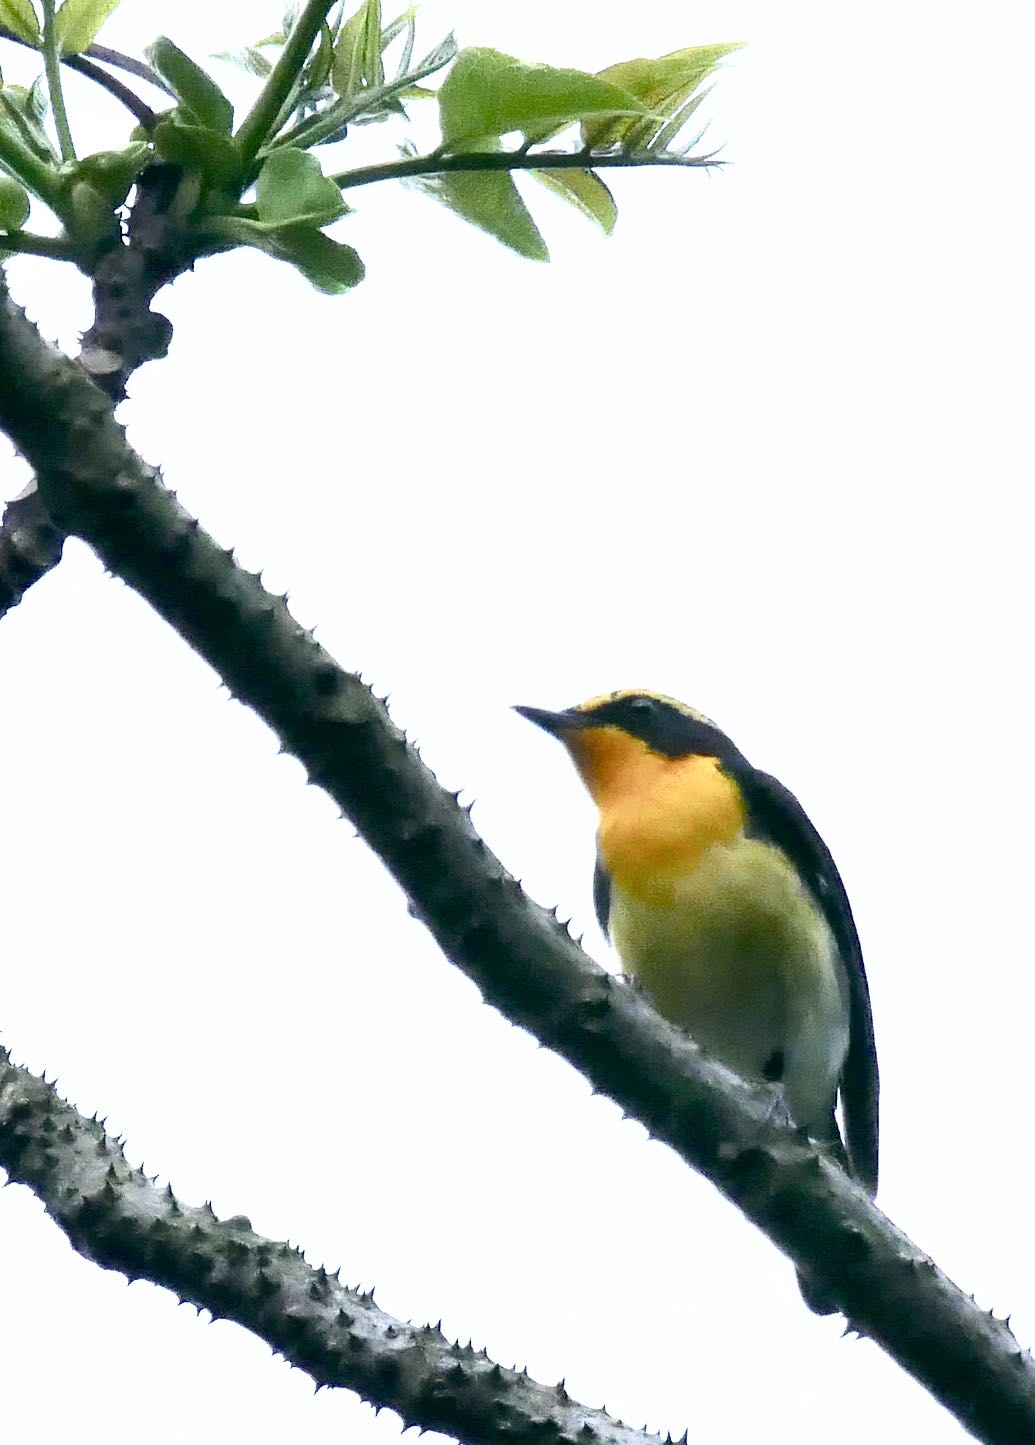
(525, 964)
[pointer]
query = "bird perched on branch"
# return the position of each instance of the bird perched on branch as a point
(724, 904)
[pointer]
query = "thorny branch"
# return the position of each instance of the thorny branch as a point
(125, 333)
(118, 1217)
(525, 964)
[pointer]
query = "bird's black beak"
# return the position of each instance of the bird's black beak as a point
(555, 723)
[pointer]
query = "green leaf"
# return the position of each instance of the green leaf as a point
(37, 106)
(318, 71)
(19, 115)
(249, 58)
(78, 21)
(196, 91)
(445, 51)
(491, 201)
(327, 124)
(664, 85)
(14, 204)
(111, 173)
(196, 148)
(396, 27)
(586, 192)
(331, 266)
(663, 138)
(357, 52)
(488, 94)
(19, 16)
(291, 187)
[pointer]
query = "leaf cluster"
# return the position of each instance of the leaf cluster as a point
(326, 70)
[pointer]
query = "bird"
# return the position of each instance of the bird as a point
(725, 907)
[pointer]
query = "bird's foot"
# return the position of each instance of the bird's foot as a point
(778, 1114)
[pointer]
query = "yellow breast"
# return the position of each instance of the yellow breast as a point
(658, 815)
(740, 955)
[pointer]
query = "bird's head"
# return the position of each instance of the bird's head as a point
(621, 740)
(662, 777)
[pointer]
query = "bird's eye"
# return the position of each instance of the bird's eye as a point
(642, 705)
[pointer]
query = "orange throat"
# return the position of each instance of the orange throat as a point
(658, 815)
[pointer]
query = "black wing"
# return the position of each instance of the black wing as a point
(775, 814)
(602, 894)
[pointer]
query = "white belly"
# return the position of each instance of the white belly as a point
(741, 956)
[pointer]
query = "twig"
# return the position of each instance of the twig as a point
(100, 52)
(522, 160)
(85, 66)
(122, 93)
(131, 66)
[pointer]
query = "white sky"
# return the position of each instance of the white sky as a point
(765, 450)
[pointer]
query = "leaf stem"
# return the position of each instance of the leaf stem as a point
(98, 52)
(122, 93)
(84, 63)
(431, 165)
(55, 248)
(254, 129)
(128, 63)
(52, 64)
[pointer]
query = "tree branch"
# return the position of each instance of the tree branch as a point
(117, 1217)
(524, 963)
(125, 333)
(435, 164)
